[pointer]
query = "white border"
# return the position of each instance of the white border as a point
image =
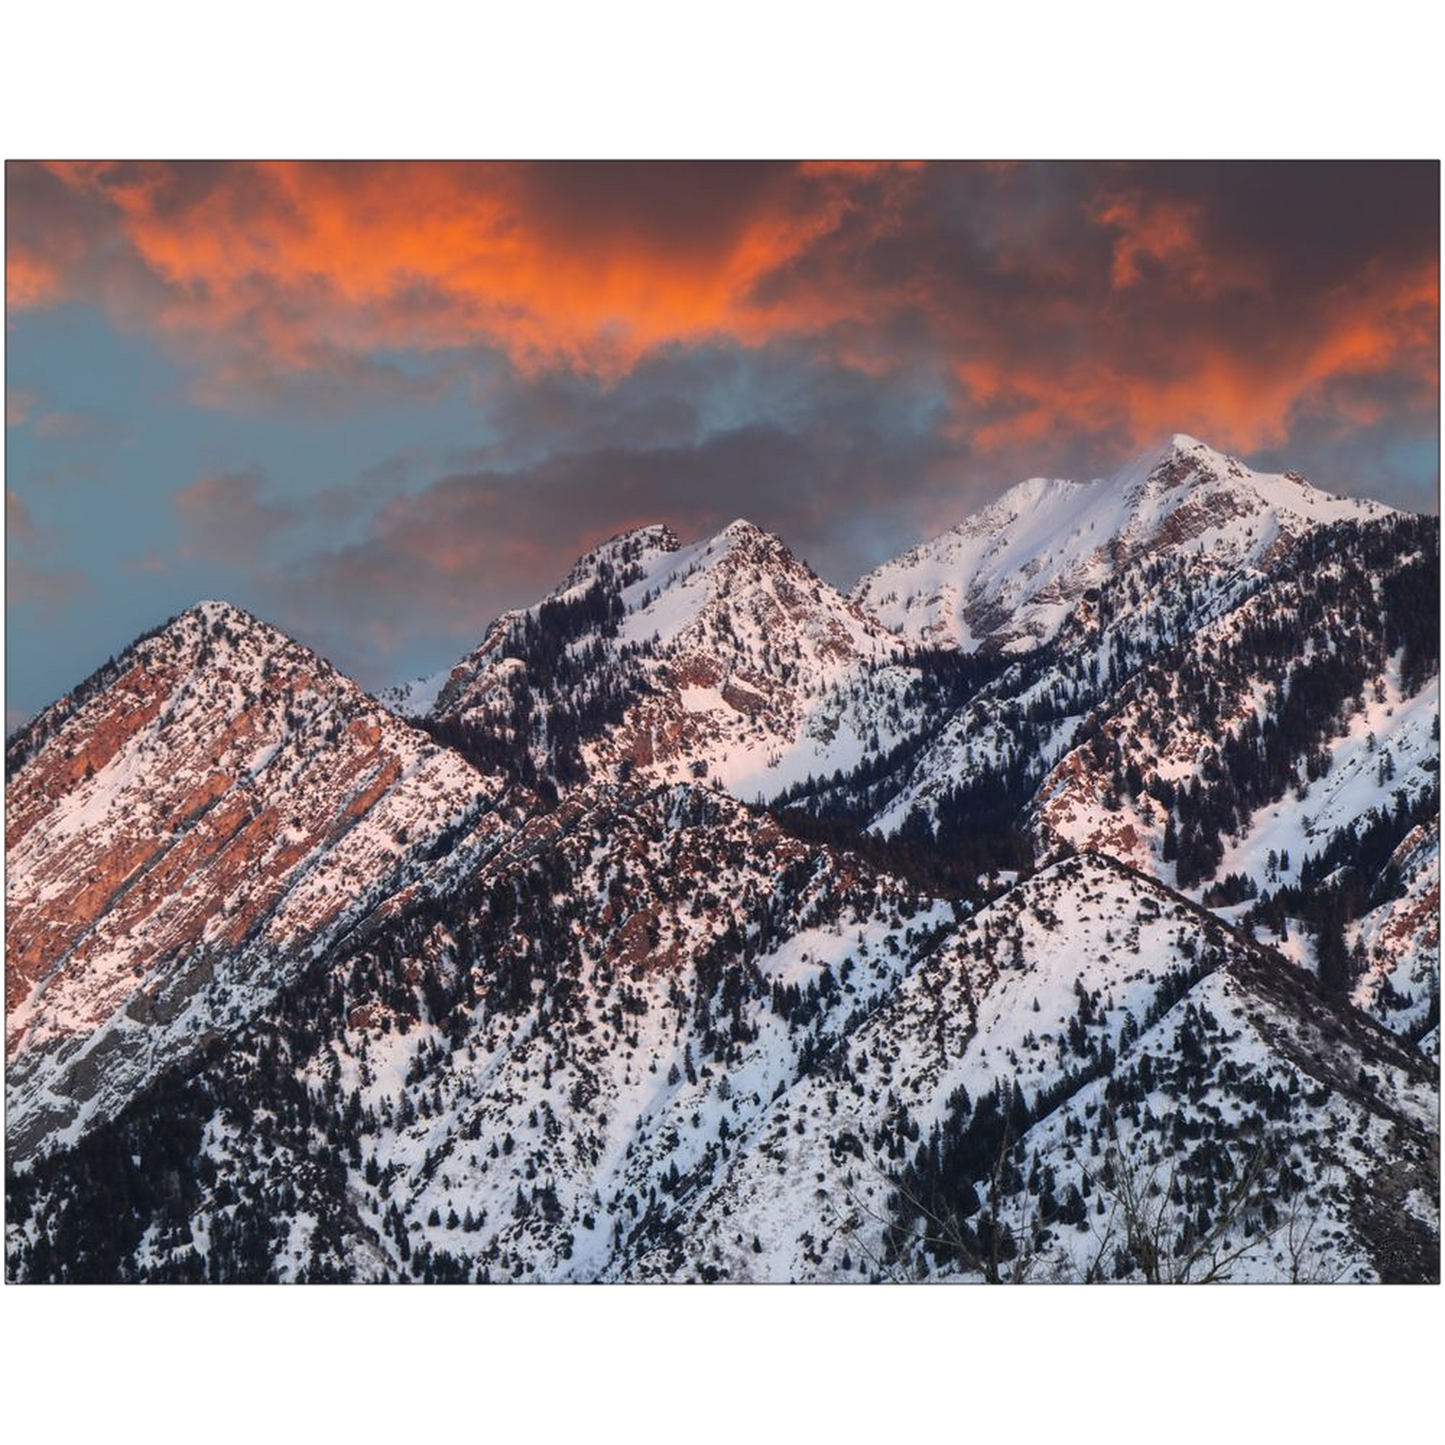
(815, 78)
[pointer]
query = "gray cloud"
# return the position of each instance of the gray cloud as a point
(227, 516)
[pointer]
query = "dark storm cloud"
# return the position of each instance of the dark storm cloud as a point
(695, 209)
(1314, 224)
(1087, 310)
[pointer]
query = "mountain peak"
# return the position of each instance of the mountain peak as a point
(625, 555)
(187, 645)
(631, 541)
(1010, 575)
(1172, 463)
(747, 542)
(741, 527)
(209, 804)
(656, 535)
(213, 633)
(212, 607)
(1182, 441)
(216, 613)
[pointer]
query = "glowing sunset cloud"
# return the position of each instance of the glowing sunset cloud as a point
(292, 265)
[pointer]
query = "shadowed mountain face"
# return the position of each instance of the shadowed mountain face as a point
(1061, 904)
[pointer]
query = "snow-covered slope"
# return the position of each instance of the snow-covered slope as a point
(1302, 665)
(416, 698)
(1087, 1035)
(1263, 741)
(1282, 753)
(183, 832)
(1397, 942)
(689, 1047)
(549, 1027)
(1010, 575)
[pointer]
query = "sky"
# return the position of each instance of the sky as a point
(379, 403)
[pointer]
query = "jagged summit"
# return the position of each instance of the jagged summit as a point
(677, 660)
(1185, 464)
(625, 550)
(645, 589)
(649, 585)
(639, 552)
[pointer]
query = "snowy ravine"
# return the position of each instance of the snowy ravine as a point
(1061, 904)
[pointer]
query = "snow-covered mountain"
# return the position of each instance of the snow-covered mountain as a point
(1063, 904)
(727, 659)
(811, 1073)
(1009, 576)
(1247, 722)
(184, 831)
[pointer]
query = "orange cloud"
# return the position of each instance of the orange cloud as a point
(1240, 398)
(30, 280)
(1168, 235)
(1133, 301)
(297, 257)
